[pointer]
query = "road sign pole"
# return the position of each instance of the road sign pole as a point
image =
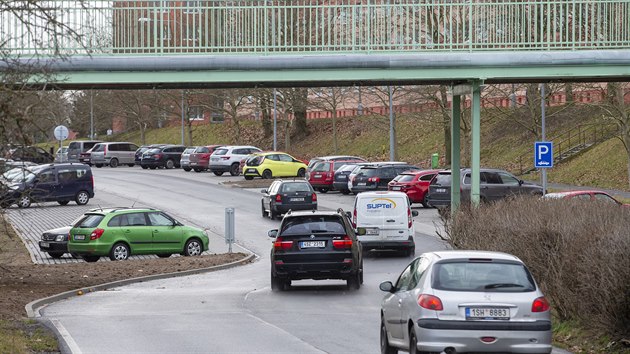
(544, 138)
(229, 228)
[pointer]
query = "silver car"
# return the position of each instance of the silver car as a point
(465, 301)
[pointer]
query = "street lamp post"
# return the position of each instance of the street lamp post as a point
(183, 110)
(91, 114)
(275, 119)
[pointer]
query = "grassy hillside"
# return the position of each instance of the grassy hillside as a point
(503, 142)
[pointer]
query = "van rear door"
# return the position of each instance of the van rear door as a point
(384, 217)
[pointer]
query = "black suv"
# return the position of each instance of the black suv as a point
(494, 184)
(285, 195)
(315, 245)
(167, 156)
(376, 176)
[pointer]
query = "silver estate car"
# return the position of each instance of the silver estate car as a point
(465, 301)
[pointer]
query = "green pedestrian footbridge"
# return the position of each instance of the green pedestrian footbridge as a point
(274, 43)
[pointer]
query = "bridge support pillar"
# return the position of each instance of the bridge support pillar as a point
(475, 148)
(455, 152)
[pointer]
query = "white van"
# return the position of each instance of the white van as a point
(384, 221)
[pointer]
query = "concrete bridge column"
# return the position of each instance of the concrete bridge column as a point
(475, 148)
(455, 152)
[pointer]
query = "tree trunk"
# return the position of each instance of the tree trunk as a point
(299, 111)
(287, 135)
(266, 116)
(237, 130)
(334, 121)
(568, 92)
(190, 135)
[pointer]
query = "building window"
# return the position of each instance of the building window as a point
(195, 113)
(216, 117)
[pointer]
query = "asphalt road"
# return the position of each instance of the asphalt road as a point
(232, 311)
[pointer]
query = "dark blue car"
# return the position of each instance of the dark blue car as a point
(62, 183)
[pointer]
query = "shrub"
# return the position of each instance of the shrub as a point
(579, 252)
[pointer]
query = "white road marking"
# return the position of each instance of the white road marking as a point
(63, 332)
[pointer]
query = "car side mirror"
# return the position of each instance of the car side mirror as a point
(520, 182)
(387, 287)
(263, 191)
(349, 214)
(272, 233)
(361, 231)
(414, 213)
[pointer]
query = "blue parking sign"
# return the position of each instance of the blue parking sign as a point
(543, 154)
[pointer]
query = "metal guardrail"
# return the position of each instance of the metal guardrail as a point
(141, 27)
(571, 142)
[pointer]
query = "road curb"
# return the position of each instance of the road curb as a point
(33, 307)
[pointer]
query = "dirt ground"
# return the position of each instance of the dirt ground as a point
(21, 281)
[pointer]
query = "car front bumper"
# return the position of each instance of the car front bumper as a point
(251, 171)
(53, 246)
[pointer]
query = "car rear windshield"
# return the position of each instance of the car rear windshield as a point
(482, 276)
(296, 187)
(202, 150)
(442, 180)
(220, 152)
(74, 145)
(404, 178)
(189, 150)
(368, 172)
(321, 167)
(312, 224)
(154, 151)
(89, 221)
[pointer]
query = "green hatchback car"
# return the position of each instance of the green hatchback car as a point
(121, 232)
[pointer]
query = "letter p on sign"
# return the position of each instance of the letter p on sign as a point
(543, 154)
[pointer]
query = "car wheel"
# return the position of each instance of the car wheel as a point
(217, 173)
(91, 259)
(24, 201)
(267, 174)
(193, 247)
(354, 282)
(234, 169)
(425, 201)
(131, 164)
(63, 202)
(413, 341)
(98, 165)
(187, 169)
(278, 284)
(272, 214)
(345, 192)
(82, 198)
(153, 167)
(119, 252)
(164, 255)
(410, 252)
(55, 255)
(113, 163)
(74, 255)
(249, 178)
(169, 164)
(385, 347)
(145, 167)
(262, 207)
(301, 172)
(323, 190)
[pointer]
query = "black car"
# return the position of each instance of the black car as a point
(493, 185)
(340, 180)
(55, 241)
(167, 156)
(285, 195)
(31, 153)
(142, 149)
(315, 245)
(376, 176)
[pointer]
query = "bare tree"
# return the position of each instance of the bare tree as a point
(331, 99)
(136, 108)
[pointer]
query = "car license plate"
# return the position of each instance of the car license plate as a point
(317, 176)
(361, 184)
(214, 159)
(79, 237)
(440, 190)
(297, 199)
(487, 313)
(342, 177)
(45, 244)
(371, 231)
(251, 170)
(312, 244)
(395, 188)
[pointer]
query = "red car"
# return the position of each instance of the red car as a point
(322, 174)
(586, 195)
(415, 184)
(200, 158)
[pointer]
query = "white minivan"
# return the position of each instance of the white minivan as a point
(384, 220)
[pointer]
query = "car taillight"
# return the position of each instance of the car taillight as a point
(329, 176)
(354, 218)
(205, 156)
(430, 302)
(374, 179)
(346, 242)
(409, 218)
(92, 178)
(281, 244)
(314, 197)
(157, 156)
(278, 198)
(225, 157)
(540, 305)
(96, 234)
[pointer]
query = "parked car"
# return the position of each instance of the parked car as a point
(386, 220)
(340, 179)
(273, 164)
(377, 176)
(113, 154)
(465, 301)
(285, 195)
(137, 156)
(86, 157)
(315, 160)
(8, 165)
(315, 245)
(62, 154)
(228, 158)
(75, 148)
(167, 157)
(589, 195)
(322, 174)
(55, 241)
(494, 185)
(184, 161)
(51, 182)
(200, 158)
(122, 232)
(30, 153)
(415, 184)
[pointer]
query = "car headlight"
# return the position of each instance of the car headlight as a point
(60, 238)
